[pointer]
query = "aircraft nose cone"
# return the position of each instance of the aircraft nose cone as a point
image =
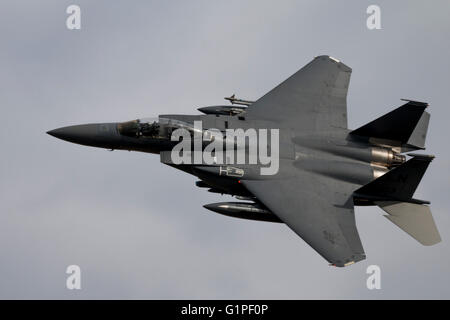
(103, 135)
(74, 133)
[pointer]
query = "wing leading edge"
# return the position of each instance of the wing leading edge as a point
(313, 99)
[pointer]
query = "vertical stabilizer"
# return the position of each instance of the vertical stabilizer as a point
(405, 126)
(399, 183)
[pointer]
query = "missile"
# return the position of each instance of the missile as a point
(244, 198)
(243, 210)
(235, 100)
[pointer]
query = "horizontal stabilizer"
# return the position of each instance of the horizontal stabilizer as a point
(398, 125)
(414, 219)
(399, 183)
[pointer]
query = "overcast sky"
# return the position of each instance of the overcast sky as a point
(136, 227)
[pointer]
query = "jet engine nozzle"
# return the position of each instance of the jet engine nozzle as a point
(386, 157)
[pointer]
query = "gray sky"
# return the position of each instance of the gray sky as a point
(111, 213)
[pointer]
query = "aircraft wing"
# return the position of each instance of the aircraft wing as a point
(313, 99)
(317, 209)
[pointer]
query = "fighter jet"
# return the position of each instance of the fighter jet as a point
(323, 169)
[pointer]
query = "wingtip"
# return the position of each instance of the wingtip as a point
(416, 103)
(326, 56)
(340, 64)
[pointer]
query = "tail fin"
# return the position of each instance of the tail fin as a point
(393, 193)
(415, 219)
(399, 183)
(405, 126)
(417, 138)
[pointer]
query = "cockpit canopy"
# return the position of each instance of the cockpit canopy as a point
(156, 128)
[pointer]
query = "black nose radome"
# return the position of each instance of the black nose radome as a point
(103, 135)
